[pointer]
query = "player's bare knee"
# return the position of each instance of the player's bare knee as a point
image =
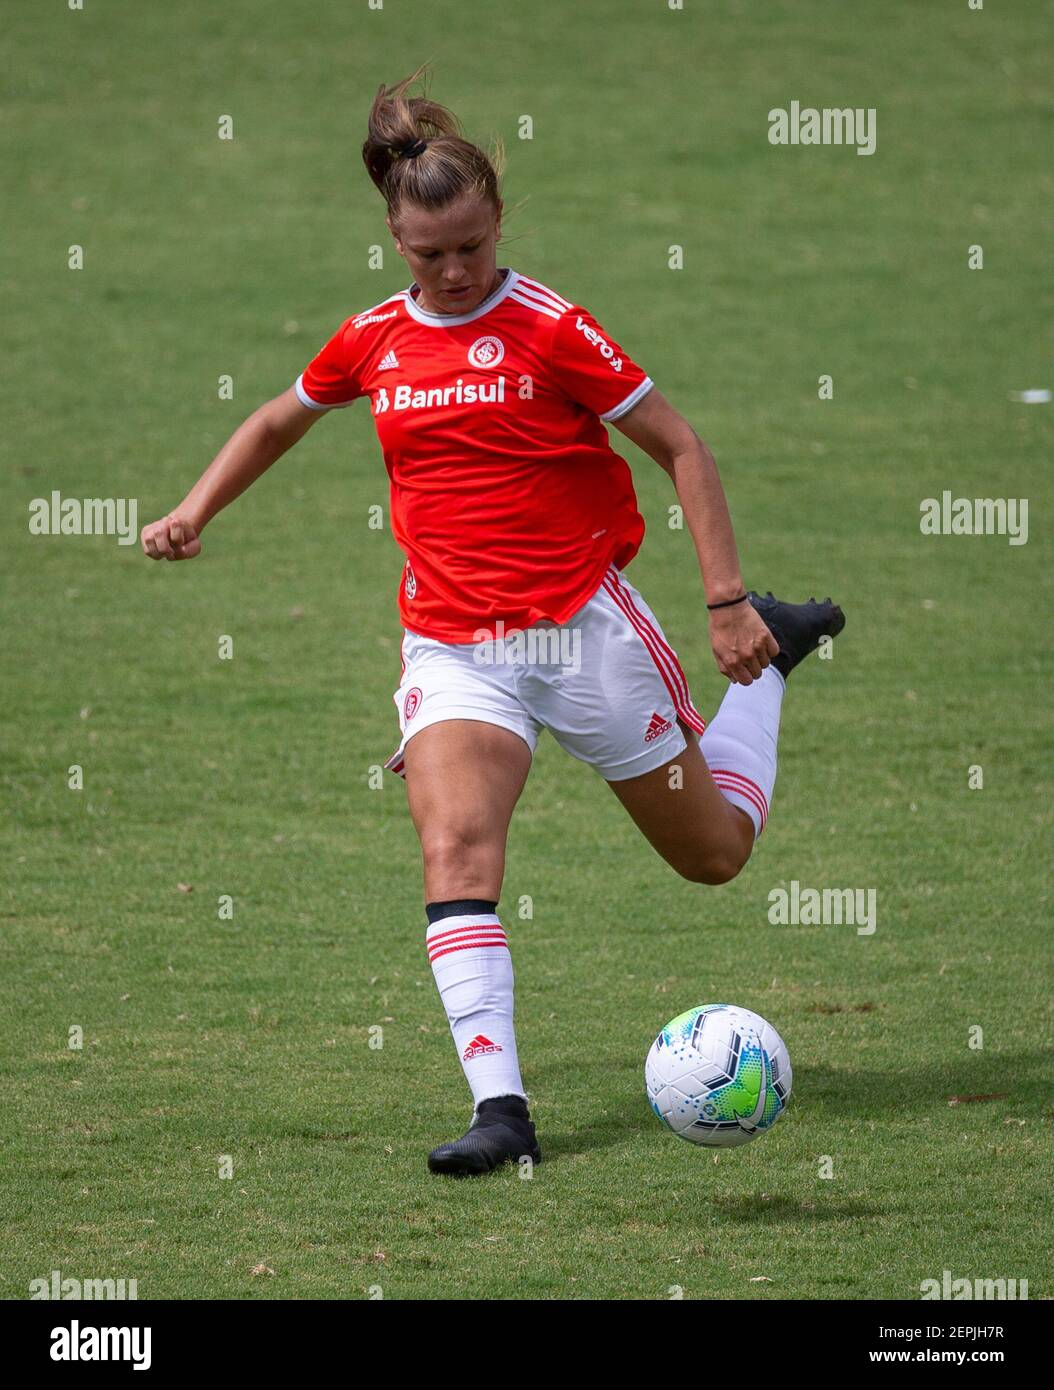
(712, 872)
(712, 865)
(458, 854)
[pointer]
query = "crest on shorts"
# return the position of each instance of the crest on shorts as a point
(411, 704)
(486, 352)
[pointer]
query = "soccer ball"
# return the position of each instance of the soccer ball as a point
(718, 1075)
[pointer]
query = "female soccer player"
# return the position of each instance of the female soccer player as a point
(517, 520)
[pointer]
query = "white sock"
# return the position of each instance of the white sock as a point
(740, 744)
(473, 970)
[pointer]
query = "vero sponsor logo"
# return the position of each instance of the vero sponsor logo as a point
(601, 344)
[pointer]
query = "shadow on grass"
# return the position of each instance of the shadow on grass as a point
(1019, 1081)
(764, 1209)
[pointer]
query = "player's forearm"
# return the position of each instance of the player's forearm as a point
(249, 452)
(702, 498)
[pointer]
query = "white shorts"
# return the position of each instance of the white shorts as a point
(606, 684)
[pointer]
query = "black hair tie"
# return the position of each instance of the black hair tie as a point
(413, 149)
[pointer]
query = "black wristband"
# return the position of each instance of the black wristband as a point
(728, 603)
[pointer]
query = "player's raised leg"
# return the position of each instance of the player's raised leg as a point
(703, 810)
(463, 779)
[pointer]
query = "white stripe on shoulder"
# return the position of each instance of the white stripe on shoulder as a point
(538, 307)
(559, 301)
(543, 301)
(617, 412)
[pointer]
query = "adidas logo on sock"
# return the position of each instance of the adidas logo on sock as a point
(480, 1046)
(388, 361)
(657, 726)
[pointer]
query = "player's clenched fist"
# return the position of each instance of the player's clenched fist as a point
(742, 644)
(171, 538)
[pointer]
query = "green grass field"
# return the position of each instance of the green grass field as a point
(250, 1037)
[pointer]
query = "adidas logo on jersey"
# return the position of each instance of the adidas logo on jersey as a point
(657, 726)
(480, 1046)
(387, 362)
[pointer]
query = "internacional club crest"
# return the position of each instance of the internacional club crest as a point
(486, 352)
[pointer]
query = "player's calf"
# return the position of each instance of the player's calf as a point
(688, 820)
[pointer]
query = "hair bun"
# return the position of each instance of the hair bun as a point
(400, 129)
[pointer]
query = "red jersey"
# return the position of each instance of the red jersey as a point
(506, 496)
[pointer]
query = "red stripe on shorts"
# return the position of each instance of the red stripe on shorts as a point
(661, 653)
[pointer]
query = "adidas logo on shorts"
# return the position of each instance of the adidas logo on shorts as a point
(480, 1046)
(657, 726)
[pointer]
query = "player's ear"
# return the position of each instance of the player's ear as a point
(395, 234)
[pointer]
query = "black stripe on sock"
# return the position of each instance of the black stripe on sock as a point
(459, 907)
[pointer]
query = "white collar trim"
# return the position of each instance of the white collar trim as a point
(453, 320)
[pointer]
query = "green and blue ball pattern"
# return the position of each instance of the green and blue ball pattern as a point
(718, 1075)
